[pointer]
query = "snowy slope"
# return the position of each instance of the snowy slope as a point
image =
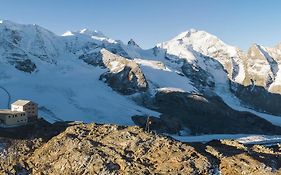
(161, 76)
(188, 43)
(242, 138)
(64, 86)
(19, 41)
(68, 88)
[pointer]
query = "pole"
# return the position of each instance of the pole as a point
(147, 123)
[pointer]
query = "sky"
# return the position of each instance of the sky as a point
(237, 22)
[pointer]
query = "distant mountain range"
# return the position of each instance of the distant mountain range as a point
(193, 82)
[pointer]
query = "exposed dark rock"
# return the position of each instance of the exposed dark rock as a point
(94, 59)
(124, 76)
(132, 43)
(258, 98)
(25, 65)
(200, 78)
(127, 81)
(207, 115)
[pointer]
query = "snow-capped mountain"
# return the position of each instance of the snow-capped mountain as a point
(187, 43)
(37, 64)
(22, 41)
(264, 63)
(85, 75)
(260, 64)
(254, 76)
(68, 75)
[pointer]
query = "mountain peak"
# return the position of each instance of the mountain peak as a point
(67, 33)
(255, 48)
(4, 21)
(196, 34)
(132, 43)
(192, 30)
(91, 33)
(255, 45)
(200, 41)
(7, 22)
(87, 32)
(11, 23)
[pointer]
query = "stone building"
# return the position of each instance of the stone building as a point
(27, 106)
(13, 118)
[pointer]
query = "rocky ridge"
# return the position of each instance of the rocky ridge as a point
(112, 149)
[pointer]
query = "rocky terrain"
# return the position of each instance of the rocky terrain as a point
(199, 114)
(73, 148)
(124, 76)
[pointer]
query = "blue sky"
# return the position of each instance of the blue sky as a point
(237, 22)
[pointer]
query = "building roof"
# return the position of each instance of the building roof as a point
(21, 102)
(8, 111)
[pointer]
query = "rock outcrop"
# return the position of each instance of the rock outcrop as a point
(123, 75)
(25, 65)
(111, 149)
(204, 114)
(201, 79)
(261, 67)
